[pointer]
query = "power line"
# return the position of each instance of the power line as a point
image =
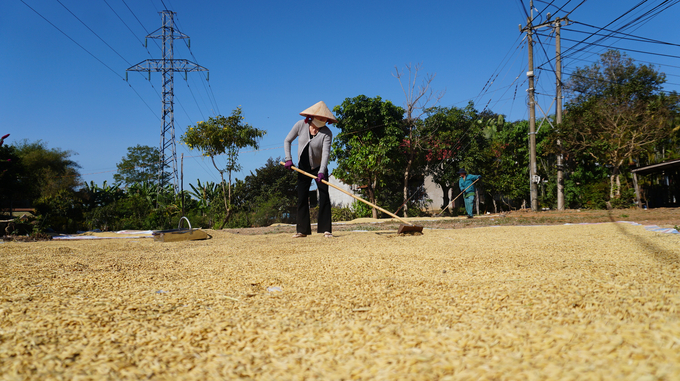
(93, 32)
(564, 53)
(74, 41)
(124, 23)
(625, 49)
(88, 52)
(636, 20)
(630, 36)
(572, 74)
(208, 88)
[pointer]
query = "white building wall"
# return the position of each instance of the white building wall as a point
(434, 193)
(338, 198)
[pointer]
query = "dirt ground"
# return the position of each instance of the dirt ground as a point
(490, 298)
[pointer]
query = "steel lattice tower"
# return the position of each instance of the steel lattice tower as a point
(168, 33)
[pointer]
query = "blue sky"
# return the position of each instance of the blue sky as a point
(276, 58)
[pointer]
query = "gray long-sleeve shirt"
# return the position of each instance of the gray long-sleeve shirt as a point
(319, 146)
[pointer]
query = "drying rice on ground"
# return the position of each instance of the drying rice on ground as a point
(496, 303)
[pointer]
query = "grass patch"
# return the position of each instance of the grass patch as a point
(369, 228)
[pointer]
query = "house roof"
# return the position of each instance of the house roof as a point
(655, 168)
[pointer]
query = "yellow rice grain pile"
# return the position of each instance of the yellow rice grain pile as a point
(587, 302)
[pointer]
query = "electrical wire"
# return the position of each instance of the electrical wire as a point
(72, 40)
(626, 49)
(627, 36)
(205, 82)
(124, 23)
(568, 53)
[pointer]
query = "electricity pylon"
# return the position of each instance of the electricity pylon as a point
(168, 66)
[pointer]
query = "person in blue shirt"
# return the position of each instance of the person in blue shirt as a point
(465, 183)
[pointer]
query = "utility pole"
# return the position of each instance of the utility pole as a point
(533, 178)
(558, 112)
(168, 66)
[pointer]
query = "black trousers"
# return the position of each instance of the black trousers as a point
(303, 222)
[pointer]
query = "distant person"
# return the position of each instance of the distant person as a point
(314, 148)
(465, 183)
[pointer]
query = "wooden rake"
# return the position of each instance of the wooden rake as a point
(407, 228)
(468, 187)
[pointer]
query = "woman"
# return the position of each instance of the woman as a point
(314, 147)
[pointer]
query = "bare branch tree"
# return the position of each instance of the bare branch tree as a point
(418, 99)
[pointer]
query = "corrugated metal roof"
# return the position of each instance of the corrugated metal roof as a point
(657, 167)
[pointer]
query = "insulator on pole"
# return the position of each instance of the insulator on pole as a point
(189, 42)
(149, 74)
(126, 76)
(207, 76)
(145, 42)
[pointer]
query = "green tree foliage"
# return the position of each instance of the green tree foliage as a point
(506, 174)
(367, 147)
(453, 143)
(61, 212)
(46, 179)
(46, 171)
(10, 174)
(113, 208)
(223, 136)
(207, 196)
(140, 165)
(267, 196)
(616, 113)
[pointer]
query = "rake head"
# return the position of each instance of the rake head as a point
(410, 229)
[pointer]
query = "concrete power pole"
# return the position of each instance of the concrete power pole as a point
(533, 178)
(558, 113)
(168, 66)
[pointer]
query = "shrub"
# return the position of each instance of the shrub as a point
(342, 214)
(361, 210)
(61, 212)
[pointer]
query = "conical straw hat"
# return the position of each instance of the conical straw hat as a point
(320, 109)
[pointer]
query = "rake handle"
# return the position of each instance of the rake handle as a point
(347, 193)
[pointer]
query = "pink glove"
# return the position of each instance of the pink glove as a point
(320, 177)
(289, 164)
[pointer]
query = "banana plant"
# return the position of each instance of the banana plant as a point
(101, 196)
(205, 194)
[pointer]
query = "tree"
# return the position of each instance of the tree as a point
(223, 135)
(507, 163)
(367, 147)
(417, 100)
(46, 171)
(141, 165)
(452, 143)
(617, 111)
(10, 174)
(267, 195)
